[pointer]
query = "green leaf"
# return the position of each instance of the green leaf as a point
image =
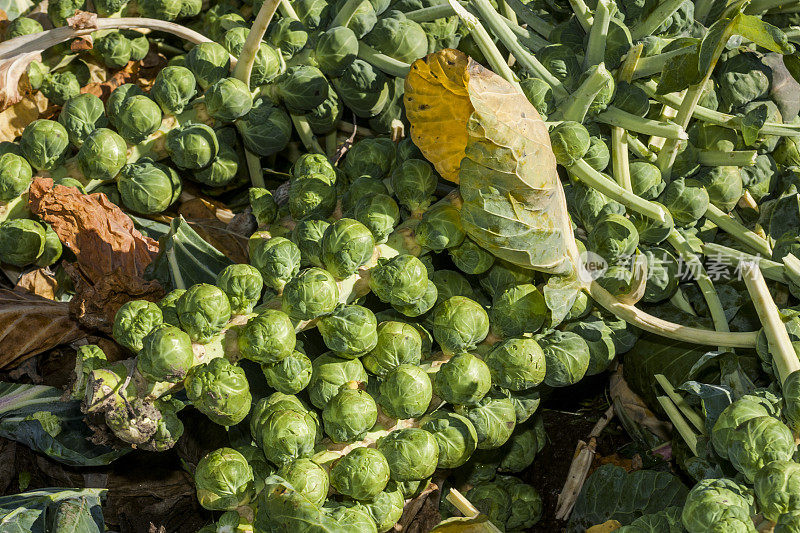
(15, 8)
(713, 44)
(752, 122)
(21, 407)
(665, 521)
(611, 493)
(560, 293)
(54, 510)
(793, 66)
(680, 72)
(713, 399)
(185, 259)
(762, 33)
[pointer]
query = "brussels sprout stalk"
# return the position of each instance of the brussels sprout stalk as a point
(733, 258)
(684, 430)
(389, 65)
(578, 104)
(650, 65)
(714, 158)
(533, 21)
(738, 231)
(617, 117)
(598, 35)
(620, 165)
(656, 18)
(582, 13)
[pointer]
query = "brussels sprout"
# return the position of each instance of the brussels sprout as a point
(590, 205)
(400, 279)
(742, 78)
(631, 99)
(242, 284)
(115, 101)
(758, 441)
(44, 144)
(463, 380)
(350, 331)
(223, 20)
(336, 48)
(363, 88)
(266, 129)
(362, 474)
(386, 508)
(686, 201)
(267, 338)
(614, 237)
(52, 248)
(114, 49)
(219, 390)
(137, 118)
(59, 11)
(646, 180)
(414, 182)
(397, 344)
(228, 99)
(422, 305)
(22, 26)
(192, 146)
(325, 117)
(80, 116)
(167, 304)
(346, 246)
(570, 142)
(224, 480)
(777, 488)
(371, 157)
(440, 228)
(22, 241)
(491, 499)
(566, 356)
(140, 46)
(160, 9)
(494, 418)
(598, 155)
(353, 518)
(450, 283)
(455, 436)
(349, 414)
(411, 453)
(203, 310)
(359, 188)
(15, 176)
(662, 275)
(598, 337)
(263, 205)
(516, 364)
(522, 447)
(310, 294)
(307, 234)
(290, 375)
(398, 37)
(209, 62)
(517, 310)
(756, 178)
(277, 259)
(733, 416)
(459, 324)
(273, 403)
(268, 63)
(166, 354)
(471, 258)
(102, 154)
(379, 213)
(314, 164)
(328, 375)
(148, 187)
(288, 35)
(540, 94)
(723, 185)
(561, 61)
(718, 503)
(311, 197)
(301, 88)
(307, 478)
(133, 321)
(60, 87)
(406, 392)
(222, 170)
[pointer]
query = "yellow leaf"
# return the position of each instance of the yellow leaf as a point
(605, 527)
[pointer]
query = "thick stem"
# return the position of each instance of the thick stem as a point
(254, 168)
(307, 136)
(387, 64)
(533, 21)
(656, 18)
(578, 104)
(757, 7)
(679, 423)
(640, 149)
(738, 231)
(620, 166)
(346, 12)
(598, 35)
(690, 414)
(582, 13)
(251, 45)
(648, 66)
(722, 255)
(719, 158)
(617, 117)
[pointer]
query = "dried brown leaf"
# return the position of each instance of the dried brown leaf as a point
(628, 404)
(30, 325)
(40, 282)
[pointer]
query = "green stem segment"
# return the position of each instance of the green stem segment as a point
(718, 158)
(622, 119)
(717, 253)
(598, 35)
(738, 231)
(656, 18)
(533, 21)
(582, 13)
(307, 136)
(577, 105)
(679, 423)
(687, 411)
(387, 64)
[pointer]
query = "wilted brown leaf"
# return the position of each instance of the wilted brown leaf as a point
(14, 118)
(630, 406)
(81, 44)
(30, 324)
(40, 282)
(211, 220)
(204, 209)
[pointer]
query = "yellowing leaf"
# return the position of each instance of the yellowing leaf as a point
(605, 527)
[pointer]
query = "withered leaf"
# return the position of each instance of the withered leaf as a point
(40, 282)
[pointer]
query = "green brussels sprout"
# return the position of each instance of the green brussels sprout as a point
(22, 26)
(80, 116)
(494, 418)
(590, 205)
(791, 398)
(398, 37)
(450, 283)
(203, 310)
(346, 246)
(60, 87)
(242, 284)
(209, 62)
(598, 156)
(777, 488)
(517, 310)
(224, 480)
(646, 180)
(686, 200)
(166, 354)
(267, 338)
(301, 88)
(222, 170)
(312, 13)
(662, 275)
(59, 11)
(314, 164)
(562, 62)
(277, 259)
(335, 49)
(411, 453)
(440, 228)
(756, 178)
(44, 144)
(192, 146)
(286, 435)
(471, 258)
(788, 523)
(349, 414)
(310, 294)
(651, 231)
(414, 182)
(263, 205)
(420, 306)
(140, 46)
(265, 407)
(160, 9)
(359, 188)
(459, 324)
(714, 502)
(405, 392)
(606, 92)
(22, 241)
(350, 331)
(266, 129)
(463, 380)
(15, 176)
(114, 49)
(288, 35)
(742, 78)
(570, 142)
(52, 248)
(379, 213)
(371, 157)
(352, 518)
(168, 429)
(411, 489)
(526, 506)
(540, 94)
(228, 99)
(329, 374)
(325, 117)
(168, 304)
(363, 88)
(137, 118)
(307, 234)
(219, 390)
(102, 155)
(362, 474)
(311, 197)
(307, 478)
(631, 99)
(522, 447)
(455, 436)
(115, 101)
(566, 358)
(732, 417)
(397, 344)
(516, 364)
(268, 63)
(133, 321)
(148, 187)
(614, 238)
(386, 508)
(400, 279)
(222, 20)
(758, 441)
(723, 185)
(290, 375)
(598, 337)
(492, 499)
